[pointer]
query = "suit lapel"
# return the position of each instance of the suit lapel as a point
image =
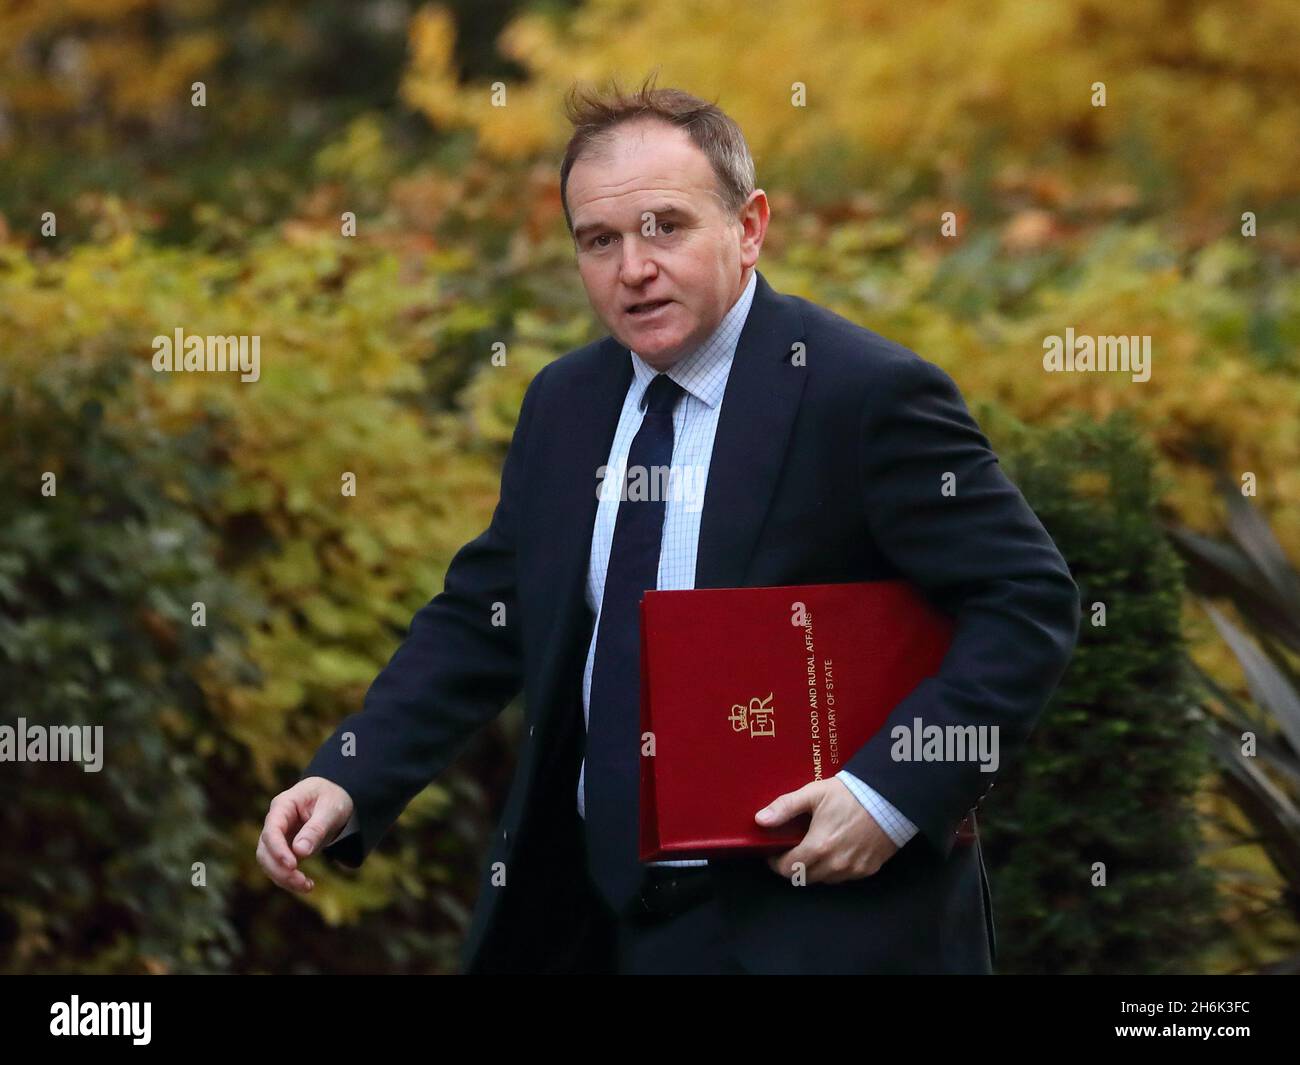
(758, 410)
(592, 400)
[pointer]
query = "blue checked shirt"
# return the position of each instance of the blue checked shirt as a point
(703, 374)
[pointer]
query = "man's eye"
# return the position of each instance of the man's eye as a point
(596, 241)
(666, 227)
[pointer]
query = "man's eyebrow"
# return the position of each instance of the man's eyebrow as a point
(665, 209)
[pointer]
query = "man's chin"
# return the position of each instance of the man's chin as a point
(652, 347)
(660, 359)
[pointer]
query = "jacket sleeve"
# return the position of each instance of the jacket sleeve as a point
(978, 552)
(453, 673)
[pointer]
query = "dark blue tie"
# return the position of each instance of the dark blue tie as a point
(613, 755)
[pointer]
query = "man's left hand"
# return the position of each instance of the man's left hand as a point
(843, 841)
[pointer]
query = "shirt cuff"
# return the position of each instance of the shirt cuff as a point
(353, 825)
(887, 816)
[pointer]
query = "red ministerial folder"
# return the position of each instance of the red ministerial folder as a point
(753, 692)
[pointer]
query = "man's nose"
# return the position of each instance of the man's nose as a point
(637, 264)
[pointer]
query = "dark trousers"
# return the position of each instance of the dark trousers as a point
(694, 941)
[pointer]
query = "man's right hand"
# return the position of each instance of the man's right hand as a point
(299, 821)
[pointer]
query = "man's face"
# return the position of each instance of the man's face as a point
(649, 228)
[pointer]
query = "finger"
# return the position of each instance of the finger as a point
(280, 821)
(859, 866)
(816, 851)
(297, 883)
(291, 880)
(784, 807)
(826, 871)
(807, 857)
(324, 819)
(785, 865)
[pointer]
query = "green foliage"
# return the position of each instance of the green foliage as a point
(98, 582)
(1115, 762)
(182, 488)
(1256, 740)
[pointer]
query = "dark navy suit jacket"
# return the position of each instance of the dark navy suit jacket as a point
(828, 465)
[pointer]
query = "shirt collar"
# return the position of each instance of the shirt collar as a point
(703, 373)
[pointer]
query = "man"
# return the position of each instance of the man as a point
(830, 455)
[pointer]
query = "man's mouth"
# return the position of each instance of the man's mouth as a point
(641, 310)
